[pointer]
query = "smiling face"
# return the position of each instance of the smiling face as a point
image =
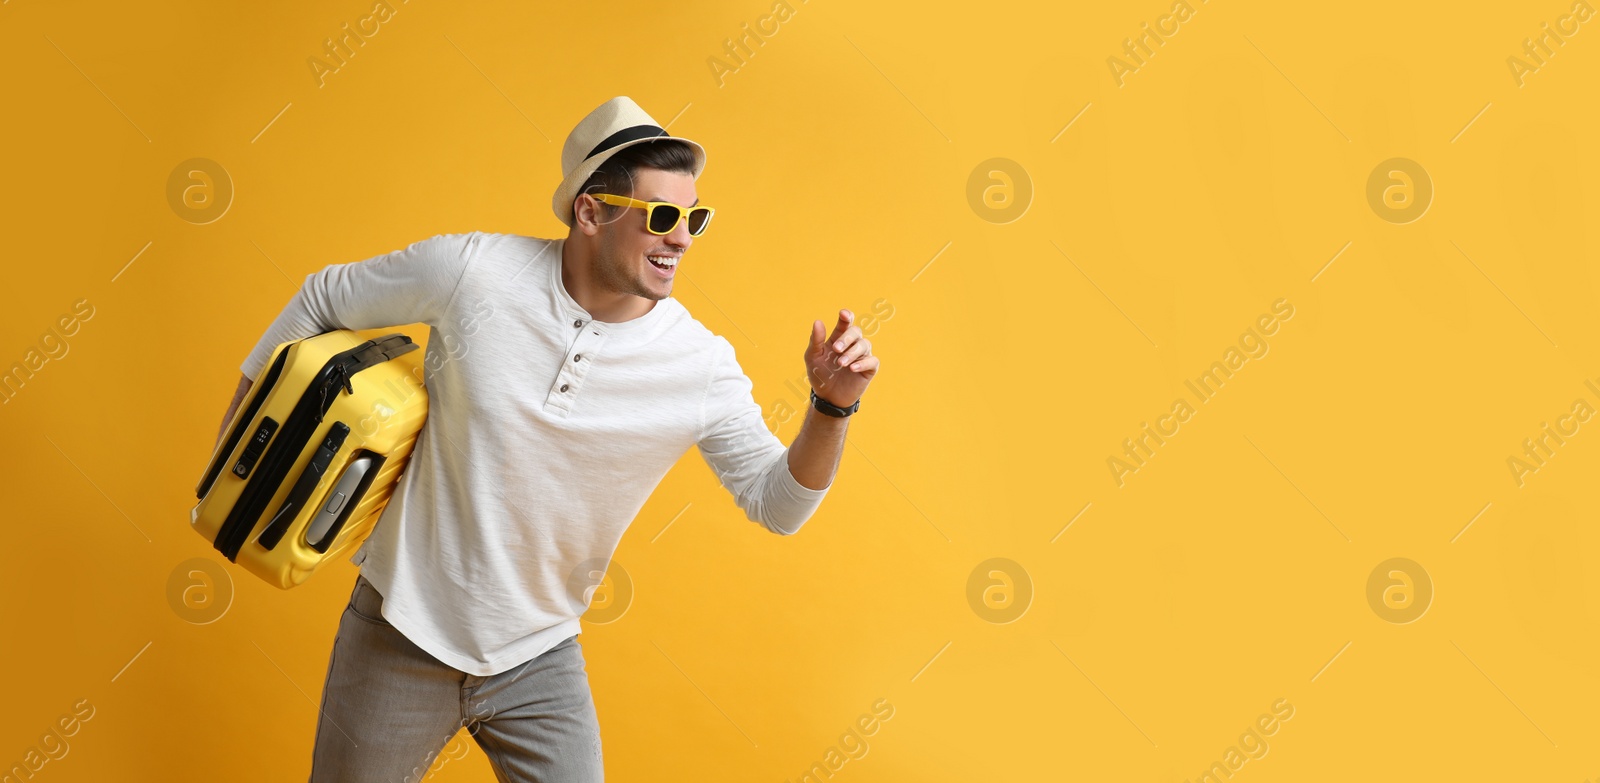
(625, 247)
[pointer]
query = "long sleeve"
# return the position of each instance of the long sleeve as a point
(411, 285)
(747, 458)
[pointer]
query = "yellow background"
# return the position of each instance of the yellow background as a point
(1226, 574)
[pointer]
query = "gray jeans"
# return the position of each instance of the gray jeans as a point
(388, 708)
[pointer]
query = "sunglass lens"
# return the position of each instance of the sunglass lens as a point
(698, 218)
(664, 218)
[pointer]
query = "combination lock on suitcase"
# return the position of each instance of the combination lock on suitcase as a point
(313, 454)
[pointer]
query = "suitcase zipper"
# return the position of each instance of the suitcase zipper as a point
(297, 430)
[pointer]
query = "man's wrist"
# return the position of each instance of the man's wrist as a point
(833, 410)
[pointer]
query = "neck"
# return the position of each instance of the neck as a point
(606, 305)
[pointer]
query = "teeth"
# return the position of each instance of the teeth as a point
(664, 260)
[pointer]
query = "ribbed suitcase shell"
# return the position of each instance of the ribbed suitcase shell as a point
(377, 393)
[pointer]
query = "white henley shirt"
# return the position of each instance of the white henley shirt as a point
(547, 431)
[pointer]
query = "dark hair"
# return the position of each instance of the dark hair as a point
(616, 174)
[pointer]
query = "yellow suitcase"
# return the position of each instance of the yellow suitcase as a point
(313, 453)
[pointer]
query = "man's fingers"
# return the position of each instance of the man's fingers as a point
(846, 318)
(856, 350)
(817, 333)
(865, 364)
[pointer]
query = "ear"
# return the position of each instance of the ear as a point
(585, 214)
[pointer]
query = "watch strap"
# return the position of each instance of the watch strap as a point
(830, 409)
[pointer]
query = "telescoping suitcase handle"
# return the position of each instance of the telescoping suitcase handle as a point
(381, 350)
(368, 354)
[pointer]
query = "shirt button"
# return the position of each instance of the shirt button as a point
(576, 358)
(577, 323)
(563, 387)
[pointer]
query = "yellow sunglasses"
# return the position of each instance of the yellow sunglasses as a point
(663, 216)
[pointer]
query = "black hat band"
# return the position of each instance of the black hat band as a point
(626, 135)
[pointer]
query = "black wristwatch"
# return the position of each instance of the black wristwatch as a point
(831, 409)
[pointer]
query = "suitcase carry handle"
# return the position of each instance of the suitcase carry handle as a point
(365, 468)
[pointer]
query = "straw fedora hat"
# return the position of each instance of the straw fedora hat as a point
(616, 125)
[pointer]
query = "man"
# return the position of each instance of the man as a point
(563, 382)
